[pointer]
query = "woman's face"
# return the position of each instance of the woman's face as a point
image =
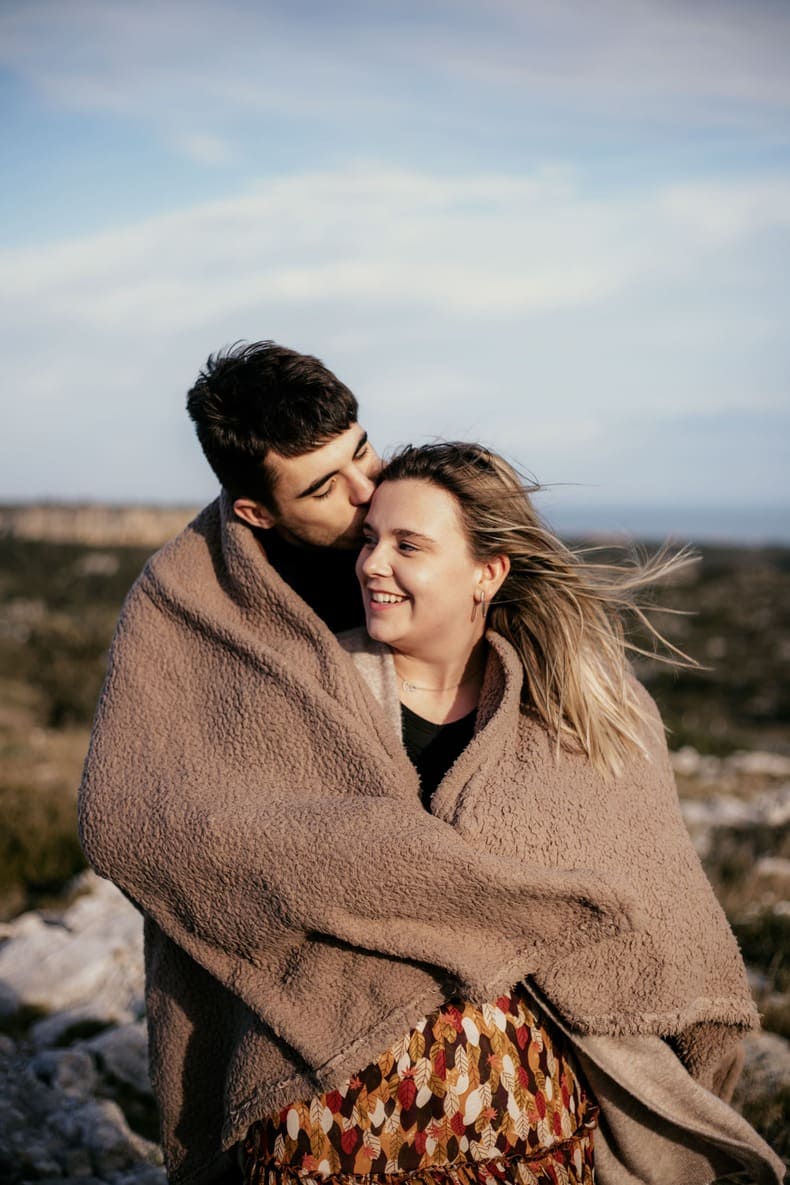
(419, 580)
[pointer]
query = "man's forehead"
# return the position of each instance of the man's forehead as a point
(292, 475)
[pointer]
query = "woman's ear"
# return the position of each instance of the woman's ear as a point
(494, 574)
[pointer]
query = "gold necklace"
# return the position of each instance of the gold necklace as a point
(407, 685)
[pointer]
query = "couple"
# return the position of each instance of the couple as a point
(418, 900)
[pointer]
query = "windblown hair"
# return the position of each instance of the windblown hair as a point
(250, 399)
(561, 612)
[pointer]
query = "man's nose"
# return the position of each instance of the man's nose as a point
(360, 487)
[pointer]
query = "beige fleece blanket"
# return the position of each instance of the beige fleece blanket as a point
(247, 792)
(244, 790)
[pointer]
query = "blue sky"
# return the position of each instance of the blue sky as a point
(558, 227)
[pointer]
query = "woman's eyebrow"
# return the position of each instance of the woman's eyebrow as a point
(406, 533)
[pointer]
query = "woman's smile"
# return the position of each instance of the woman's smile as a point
(378, 599)
(417, 574)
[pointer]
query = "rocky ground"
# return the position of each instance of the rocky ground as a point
(75, 1102)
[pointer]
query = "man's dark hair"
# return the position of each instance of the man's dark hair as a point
(252, 398)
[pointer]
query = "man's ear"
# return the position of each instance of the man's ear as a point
(254, 513)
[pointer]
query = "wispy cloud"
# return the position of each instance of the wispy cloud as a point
(668, 49)
(314, 60)
(458, 304)
(486, 246)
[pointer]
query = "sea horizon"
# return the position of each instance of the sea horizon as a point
(746, 525)
(766, 525)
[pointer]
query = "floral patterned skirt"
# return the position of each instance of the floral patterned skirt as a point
(469, 1095)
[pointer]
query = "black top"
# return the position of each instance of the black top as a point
(323, 577)
(433, 748)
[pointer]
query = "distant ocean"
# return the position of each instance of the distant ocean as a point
(696, 524)
(101, 524)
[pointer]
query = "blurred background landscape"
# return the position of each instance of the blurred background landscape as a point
(59, 599)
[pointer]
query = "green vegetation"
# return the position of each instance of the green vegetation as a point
(735, 622)
(58, 608)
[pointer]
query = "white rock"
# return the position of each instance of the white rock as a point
(68, 1070)
(685, 761)
(104, 1132)
(90, 957)
(773, 866)
(766, 1071)
(122, 1055)
(772, 765)
(771, 808)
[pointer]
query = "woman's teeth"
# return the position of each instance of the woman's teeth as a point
(385, 598)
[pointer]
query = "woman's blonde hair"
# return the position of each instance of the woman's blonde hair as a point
(561, 611)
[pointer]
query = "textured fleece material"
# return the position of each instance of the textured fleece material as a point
(303, 910)
(658, 1126)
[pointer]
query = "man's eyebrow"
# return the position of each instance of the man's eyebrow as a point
(320, 481)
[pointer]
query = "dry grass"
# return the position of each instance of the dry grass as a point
(39, 774)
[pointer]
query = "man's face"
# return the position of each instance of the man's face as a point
(322, 497)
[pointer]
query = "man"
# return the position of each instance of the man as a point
(280, 432)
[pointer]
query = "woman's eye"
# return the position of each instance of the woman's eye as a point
(404, 546)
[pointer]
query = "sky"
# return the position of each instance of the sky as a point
(558, 227)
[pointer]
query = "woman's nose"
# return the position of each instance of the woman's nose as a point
(374, 562)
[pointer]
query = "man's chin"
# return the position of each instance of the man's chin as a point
(344, 543)
(350, 540)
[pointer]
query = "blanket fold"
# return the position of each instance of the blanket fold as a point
(247, 791)
(249, 796)
(657, 1124)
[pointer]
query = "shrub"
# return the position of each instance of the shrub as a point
(39, 849)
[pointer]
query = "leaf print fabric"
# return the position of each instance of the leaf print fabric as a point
(469, 1095)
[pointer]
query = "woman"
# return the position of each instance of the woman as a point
(499, 657)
